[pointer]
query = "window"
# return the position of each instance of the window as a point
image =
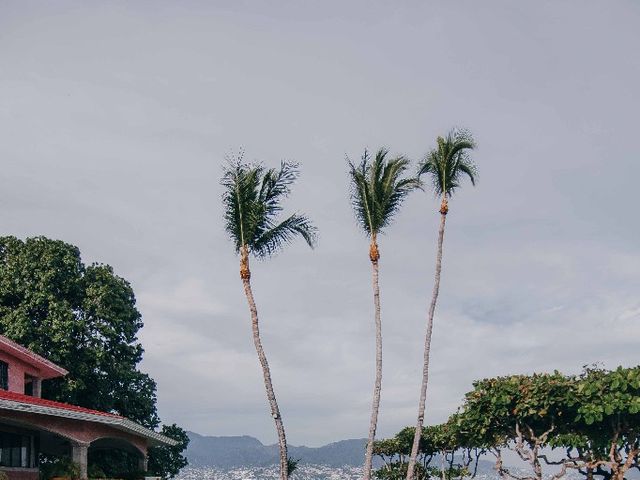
(17, 450)
(4, 375)
(28, 385)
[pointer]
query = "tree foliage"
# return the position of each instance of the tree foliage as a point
(252, 201)
(555, 423)
(167, 462)
(449, 162)
(444, 451)
(378, 189)
(83, 318)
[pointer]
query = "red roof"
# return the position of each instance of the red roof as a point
(25, 403)
(17, 397)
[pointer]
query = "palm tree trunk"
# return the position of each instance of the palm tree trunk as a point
(427, 346)
(374, 255)
(245, 275)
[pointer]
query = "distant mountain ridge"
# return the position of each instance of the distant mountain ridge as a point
(246, 451)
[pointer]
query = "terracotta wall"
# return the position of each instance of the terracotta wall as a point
(17, 371)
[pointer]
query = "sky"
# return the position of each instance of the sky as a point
(116, 118)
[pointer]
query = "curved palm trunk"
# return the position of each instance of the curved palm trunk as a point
(245, 275)
(374, 255)
(427, 346)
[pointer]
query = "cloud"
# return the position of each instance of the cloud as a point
(189, 297)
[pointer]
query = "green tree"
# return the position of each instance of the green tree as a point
(590, 421)
(448, 442)
(167, 462)
(398, 471)
(522, 411)
(395, 451)
(377, 192)
(83, 318)
(445, 165)
(590, 424)
(252, 202)
(604, 436)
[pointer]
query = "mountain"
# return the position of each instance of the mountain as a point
(226, 453)
(245, 451)
(337, 454)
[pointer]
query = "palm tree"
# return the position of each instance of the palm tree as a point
(252, 201)
(446, 165)
(377, 191)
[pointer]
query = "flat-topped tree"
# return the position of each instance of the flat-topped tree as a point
(378, 188)
(589, 423)
(523, 413)
(557, 424)
(252, 201)
(446, 166)
(605, 434)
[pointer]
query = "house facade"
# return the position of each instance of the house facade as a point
(30, 425)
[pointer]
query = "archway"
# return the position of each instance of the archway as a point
(35, 442)
(113, 457)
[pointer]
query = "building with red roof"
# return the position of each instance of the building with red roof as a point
(30, 425)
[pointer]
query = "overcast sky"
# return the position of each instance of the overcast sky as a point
(115, 118)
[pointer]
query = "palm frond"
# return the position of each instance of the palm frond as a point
(283, 233)
(449, 161)
(470, 170)
(276, 184)
(378, 189)
(361, 193)
(240, 181)
(252, 202)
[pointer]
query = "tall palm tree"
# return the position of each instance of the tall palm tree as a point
(446, 165)
(377, 191)
(252, 201)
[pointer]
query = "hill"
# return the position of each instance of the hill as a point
(246, 451)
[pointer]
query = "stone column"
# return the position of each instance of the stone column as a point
(36, 386)
(79, 453)
(142, 463)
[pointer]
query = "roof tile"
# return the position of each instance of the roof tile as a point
(17, 397)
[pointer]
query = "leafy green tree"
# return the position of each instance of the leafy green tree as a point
(167, 462)
(522, 411)
(587, 423)
(398, 471)
(457, 453)
(593, 420)
(395, 453)
(377, 192)
(83, 318)
(604, 437)
(445, 165)
(252, 201)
